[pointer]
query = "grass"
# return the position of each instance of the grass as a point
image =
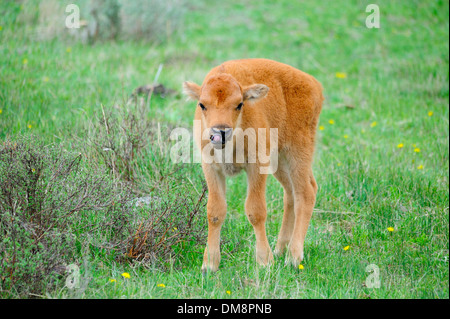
(389, 81)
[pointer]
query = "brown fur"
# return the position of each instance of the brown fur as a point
(275, 95)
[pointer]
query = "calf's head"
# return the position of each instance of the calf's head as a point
(221, 99)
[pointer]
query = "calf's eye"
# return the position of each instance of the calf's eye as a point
(239, 107)
(202, 106)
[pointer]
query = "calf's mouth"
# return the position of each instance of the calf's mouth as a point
(219, 137)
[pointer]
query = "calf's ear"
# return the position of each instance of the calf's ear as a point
(192, 90)
(255, 92)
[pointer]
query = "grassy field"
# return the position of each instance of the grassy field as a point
(382, 154)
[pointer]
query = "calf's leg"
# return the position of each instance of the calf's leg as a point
(216, 211)
(305, 189)
(287, 224)
(255, 208)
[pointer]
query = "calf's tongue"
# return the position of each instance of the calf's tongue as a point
(216, 138)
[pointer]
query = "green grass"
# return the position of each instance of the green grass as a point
(395, 76)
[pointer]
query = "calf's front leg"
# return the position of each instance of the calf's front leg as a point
(255, 208)
(216, 211)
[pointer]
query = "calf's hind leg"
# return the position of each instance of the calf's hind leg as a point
(305, 190)
(287, 224)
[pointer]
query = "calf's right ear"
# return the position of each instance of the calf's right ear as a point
(192, 90)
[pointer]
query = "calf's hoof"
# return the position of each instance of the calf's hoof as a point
(209, 268)
(210, 261)
(280, 248)
(264, 257)
(295, 256)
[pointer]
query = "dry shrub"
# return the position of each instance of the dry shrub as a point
(134, 147)
(43, 190)
(119, 137)
(58, 205)
(136, 150)
(163, 224)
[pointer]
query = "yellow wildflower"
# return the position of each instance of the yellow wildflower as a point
(420, 167)
(345, 136)
(1, 111)
(391, 229)
(373, 124)
(339, 164)
(125, 275)
(30, 126)
(1, 28)
(430, 113)
(301, 267)
(228, 292)
(33, 170)
(341, 75)
(25, 61)
(417, 150)
(400, 145)
(161, 285)
(346, 248)
(112, 280)
(321, 127)
(331, 122)
(69, 49)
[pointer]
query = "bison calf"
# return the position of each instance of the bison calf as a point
(259, 94)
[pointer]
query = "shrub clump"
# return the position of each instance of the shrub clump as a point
(43, 190)
(54, 209)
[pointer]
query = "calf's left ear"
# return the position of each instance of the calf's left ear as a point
(255, 92)
(192, 90)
